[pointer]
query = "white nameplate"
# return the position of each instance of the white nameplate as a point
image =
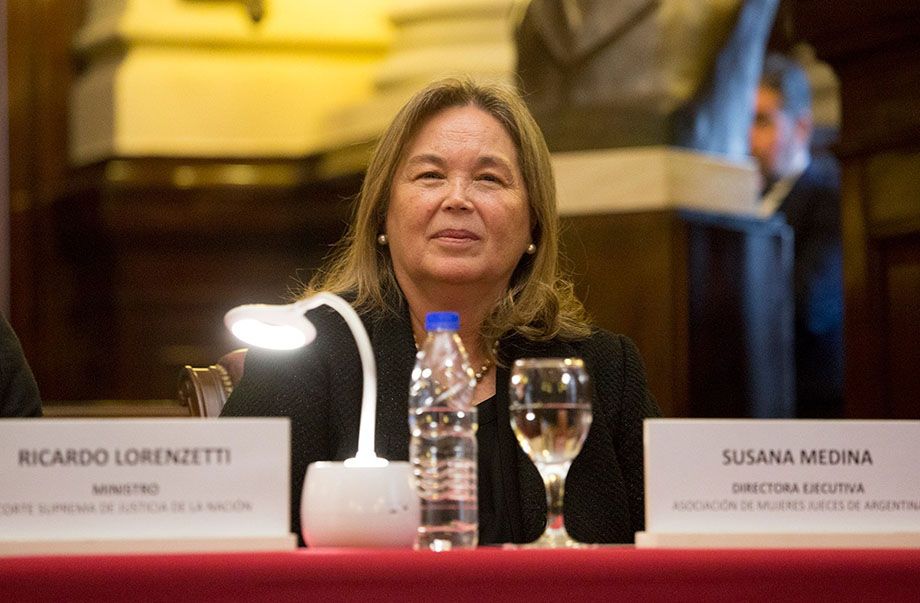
(144, 479)
(790, 477)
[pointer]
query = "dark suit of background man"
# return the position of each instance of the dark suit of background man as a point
(18, 390)
(806, 189)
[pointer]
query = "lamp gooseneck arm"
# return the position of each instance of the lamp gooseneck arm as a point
(365, 454)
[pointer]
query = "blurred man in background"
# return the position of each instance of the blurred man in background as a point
(806, 188)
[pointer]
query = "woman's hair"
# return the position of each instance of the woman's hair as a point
(539, 303)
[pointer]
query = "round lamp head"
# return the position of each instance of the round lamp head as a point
(276, 327)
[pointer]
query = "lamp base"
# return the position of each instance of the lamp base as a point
(347, 504)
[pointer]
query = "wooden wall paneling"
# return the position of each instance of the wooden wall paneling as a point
(4, 172)
(875, 50)
(881, 221)
(862, 301)
(39, 73)
(706, 298)
(629, 273)
(893, 216)
(903, 286)
(174, 259)
(20, 32)
(121, 271)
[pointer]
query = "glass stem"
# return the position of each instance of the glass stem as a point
(554, 479)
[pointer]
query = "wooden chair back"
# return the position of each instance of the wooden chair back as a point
(205, 390)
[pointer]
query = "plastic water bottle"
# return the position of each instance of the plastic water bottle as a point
(442, 449)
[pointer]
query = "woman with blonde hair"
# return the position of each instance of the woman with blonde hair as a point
(458, 213)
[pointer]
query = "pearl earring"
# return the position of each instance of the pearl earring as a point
(382, 239)
(531, 249)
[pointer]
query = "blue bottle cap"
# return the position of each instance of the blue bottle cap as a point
(442, 321)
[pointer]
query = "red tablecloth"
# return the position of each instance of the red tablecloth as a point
(608, 574)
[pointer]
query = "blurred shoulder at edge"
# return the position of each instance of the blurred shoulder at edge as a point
(19, 395)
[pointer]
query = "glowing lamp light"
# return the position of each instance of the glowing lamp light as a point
(273, 337)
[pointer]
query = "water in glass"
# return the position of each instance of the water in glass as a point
(551, 415)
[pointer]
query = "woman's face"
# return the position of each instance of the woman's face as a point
(458, 211)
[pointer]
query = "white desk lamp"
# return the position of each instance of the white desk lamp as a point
(365, 500)
(285, 327)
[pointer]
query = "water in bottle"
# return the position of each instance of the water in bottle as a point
(442, 424)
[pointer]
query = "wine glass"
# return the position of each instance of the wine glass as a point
(550, 415)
